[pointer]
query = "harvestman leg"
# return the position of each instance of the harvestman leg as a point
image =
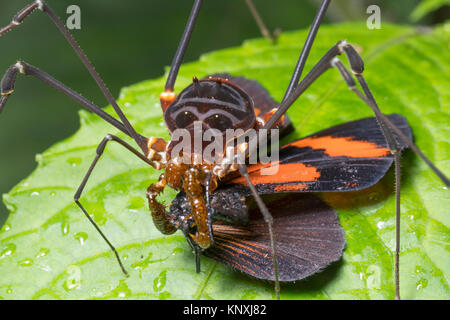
(330, 60)
(184, 42)
(21, 67)
(272, 36)
(42, 6)
(168, 96)
(100, 150)
(242, 168)
(296, 75)
(7, 87)
(369, 100)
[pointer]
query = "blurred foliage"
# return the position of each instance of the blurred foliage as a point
(127, 41)
(427, 6)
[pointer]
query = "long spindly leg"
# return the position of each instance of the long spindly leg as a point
(268, 219)
(154, 145)
(328, 61)
(369, 100)
(272, 36)
(306, 48)
(395, 150)
(42, 6)
(372, 103)
(168, 94)
(184, 42)
(8, 84)
(100, 150)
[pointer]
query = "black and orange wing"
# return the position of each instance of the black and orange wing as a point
(347, 157)
(308, 238)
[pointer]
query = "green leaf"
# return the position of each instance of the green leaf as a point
(426, 7)
(48, 249)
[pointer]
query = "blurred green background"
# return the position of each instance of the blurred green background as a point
(130, 41)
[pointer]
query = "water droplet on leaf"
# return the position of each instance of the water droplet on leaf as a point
(81, 237)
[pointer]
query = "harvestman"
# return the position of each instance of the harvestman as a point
(153, 150)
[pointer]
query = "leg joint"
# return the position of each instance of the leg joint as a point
(41, 5)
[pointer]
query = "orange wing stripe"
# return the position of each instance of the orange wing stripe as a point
(343, 147)
(274, 173)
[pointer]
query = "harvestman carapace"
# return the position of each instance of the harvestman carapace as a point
(214, 191)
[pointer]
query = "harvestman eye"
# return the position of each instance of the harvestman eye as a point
(184, 119)
(219, 122)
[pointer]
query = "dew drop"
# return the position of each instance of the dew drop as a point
(419, 270)
(122, 289)
(45, 268)
(177, 251)
(7, 227)
(74, 161)
(35, 194)
(160, 281)
(65, 228)
(42, 252)
(421, 284)
(73, 280)
(8, 250)
(381, 225)
(26, 263)
(81, 237)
